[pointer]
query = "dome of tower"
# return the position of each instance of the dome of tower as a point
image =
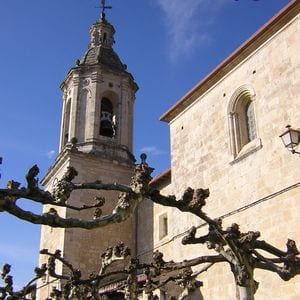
(103, 56)
(100, 49)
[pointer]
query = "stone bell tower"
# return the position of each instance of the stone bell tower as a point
(98, 98)
(96, 139)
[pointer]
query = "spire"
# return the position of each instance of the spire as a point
(102, 31)
(104, 7)
(100, 50)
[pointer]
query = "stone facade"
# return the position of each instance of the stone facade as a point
(253, 183)
(83, 247)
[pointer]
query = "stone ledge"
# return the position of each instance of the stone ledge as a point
(247, 150)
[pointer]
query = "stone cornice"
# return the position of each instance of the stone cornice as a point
(95, 71)
(69, 153)
(60, 160)
(96, 77)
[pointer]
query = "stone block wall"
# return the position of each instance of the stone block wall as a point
(260, 190)
(82, 248)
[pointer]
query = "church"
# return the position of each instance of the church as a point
(224, 136)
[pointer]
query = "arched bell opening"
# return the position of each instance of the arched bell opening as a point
(107, 118)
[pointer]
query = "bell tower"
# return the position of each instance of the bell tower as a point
(98, 98)
(96, 139)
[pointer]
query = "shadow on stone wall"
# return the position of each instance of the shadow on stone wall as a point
(144, 232)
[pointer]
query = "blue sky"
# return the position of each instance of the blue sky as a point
(168, 46)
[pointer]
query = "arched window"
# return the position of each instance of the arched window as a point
(107, 122)
(242, 123)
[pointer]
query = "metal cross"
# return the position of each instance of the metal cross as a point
(103, 6)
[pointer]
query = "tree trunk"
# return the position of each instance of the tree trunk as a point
(244, 293)
(193, 295)
(246, 286)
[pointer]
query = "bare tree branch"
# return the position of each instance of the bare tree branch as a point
(7, 291)
(128, 199)
(240, 250)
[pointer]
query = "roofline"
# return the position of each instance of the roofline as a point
(180, 105)
(161, 177)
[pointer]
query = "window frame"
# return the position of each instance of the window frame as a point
(241, 143)
(163, 226)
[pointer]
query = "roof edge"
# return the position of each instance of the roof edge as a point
(171, 113)
(160, 178)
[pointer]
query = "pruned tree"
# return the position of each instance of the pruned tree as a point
(129, 198)
(242, 251)
(7, 291)
(74, 286)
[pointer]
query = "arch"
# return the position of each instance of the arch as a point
(242, 121)
(112, 96)
(244, 91)
(108, 114)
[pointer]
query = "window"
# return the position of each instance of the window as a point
(104, 38)
(107, 119)
(250, 121)
(242, 123)
(163, 226)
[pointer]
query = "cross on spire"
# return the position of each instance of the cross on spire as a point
(103, 6)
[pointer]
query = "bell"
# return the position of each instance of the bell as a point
(106, 128)
(106, 119)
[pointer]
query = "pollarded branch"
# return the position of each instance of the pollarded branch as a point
(161, 266)
(185, 278)
(193, 200)
(286, 265)
(159, 272)
(128, 199)
(61, 191)
(77, 287)
(7, 291)
(112, 254)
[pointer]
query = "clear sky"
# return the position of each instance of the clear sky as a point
(168, 46)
